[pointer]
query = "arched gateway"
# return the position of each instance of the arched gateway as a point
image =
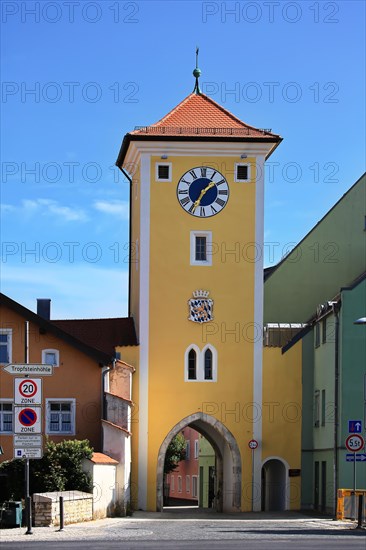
(228, 460)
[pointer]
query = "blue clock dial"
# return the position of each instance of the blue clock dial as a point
(203, 192)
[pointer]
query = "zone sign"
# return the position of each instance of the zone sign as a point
(28, 391)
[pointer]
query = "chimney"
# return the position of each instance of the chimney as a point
(44, 308)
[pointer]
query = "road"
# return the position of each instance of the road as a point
(212, 532)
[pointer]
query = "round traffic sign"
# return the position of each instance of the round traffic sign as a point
(27, 417)
(253, 444)
(355, 442)
(28, 388)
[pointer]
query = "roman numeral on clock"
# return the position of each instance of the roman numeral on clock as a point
(221, 182)
(184, 201)
(202, 211)
(220, 202)
(213, 210)
(203, 172)
(193, 174)
(223, 192)
(183, 192)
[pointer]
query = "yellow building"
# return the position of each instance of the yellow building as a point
(196, 296)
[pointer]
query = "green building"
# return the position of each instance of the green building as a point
(321, 286)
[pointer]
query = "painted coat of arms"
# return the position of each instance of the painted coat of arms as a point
(200, 307)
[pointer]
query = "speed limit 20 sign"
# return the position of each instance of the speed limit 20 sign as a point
(355, 443)
(28, 391)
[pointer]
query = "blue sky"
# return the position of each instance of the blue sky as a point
(76, 76)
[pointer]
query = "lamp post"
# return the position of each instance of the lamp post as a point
(360, 321)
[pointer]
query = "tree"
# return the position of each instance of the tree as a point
(175, 452)
(60, 469)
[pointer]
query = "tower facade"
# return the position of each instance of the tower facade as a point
(196, 293)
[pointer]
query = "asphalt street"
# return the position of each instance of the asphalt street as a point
(180, 531)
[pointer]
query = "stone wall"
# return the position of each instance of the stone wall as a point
(78, 506)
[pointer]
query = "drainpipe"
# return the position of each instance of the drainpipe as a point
(336, 307)
(130, 235)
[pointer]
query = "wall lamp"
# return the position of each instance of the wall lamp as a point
(360, 321)
(243, 156)
(164, 157)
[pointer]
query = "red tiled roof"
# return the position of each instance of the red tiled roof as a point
(198, 114)
(102, 334)
(101, 458)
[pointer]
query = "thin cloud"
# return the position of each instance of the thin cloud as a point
(49, 207)
(114, 208)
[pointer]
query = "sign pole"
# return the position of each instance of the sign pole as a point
(28, 502)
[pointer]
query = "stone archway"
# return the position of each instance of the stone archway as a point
(228, 460)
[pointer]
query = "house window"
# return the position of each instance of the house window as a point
(188, 484)
(60, 416)
(179, 484)
(316, 408)
(51, 357)
(323, 407)
(324, 330)
(163, 171)
(5, 345)
(172, 483)
(188, 450)
(192, 360)
(201, 248)
(208, 364)
(242, 172)
(317, 335)
(194, 486)
(6, 417)
(196, 448)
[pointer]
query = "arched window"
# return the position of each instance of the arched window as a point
(192, 365)
(208, 364)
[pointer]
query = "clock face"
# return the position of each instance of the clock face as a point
(203, 192)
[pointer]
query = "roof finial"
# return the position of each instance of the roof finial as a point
(197, 74)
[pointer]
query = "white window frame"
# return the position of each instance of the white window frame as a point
(9, 333)
(208, 235)
(196, 448)
(57, 356)
(50, 401)
(172, 483)
(194, 486)
(188, 484)
(7, 401)
(157, 164)
(200, 363)
(236, 179)
(188, 449)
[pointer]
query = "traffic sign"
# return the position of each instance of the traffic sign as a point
(27, 440)
(355, 443)
(354, 426)
(29, 369)
(28, 391)
(27, 420)
(28, 452)
(359, 457)
(253, 444)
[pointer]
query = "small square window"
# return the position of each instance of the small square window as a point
(6, 417)
(60, 416)
(51, 357)
(242, 172)
(163, 171)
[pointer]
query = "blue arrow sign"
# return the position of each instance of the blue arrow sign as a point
(354, 426)
(360, 457)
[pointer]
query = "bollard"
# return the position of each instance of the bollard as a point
(61, 514)
(360, 511)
